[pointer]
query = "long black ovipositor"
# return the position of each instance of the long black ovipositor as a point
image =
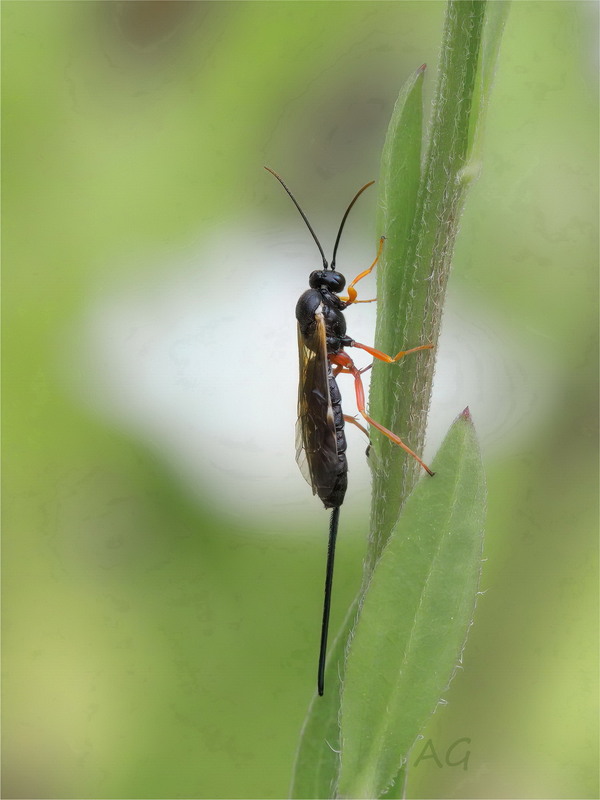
(333, 529)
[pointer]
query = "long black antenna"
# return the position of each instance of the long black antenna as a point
(303, 215)
(337, 241)
(333, 529)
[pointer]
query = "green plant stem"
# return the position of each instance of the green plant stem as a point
(419, 207)
(411, 291)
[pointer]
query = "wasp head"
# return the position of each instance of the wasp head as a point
(328, 279)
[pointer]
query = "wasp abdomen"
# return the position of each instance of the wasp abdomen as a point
(335, 496)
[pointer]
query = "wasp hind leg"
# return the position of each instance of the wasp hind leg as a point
(354, 421)
(344, 361)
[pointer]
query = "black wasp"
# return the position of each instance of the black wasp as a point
(320, 438)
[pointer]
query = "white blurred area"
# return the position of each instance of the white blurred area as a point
(196, 355)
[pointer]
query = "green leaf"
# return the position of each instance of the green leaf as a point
(410, 301)
(399, 178)
(493, 28)
(414, 619)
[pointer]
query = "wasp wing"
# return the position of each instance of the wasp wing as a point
(316, 442)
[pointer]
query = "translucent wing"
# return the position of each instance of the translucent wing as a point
(316, 444)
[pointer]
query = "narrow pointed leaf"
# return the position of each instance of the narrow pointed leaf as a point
(411, 314)
(415, 617)
(493, 28)
(399, 178)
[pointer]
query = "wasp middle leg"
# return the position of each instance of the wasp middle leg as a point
(383, 356)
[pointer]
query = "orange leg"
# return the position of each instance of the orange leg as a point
(354, 421)
(341, 371)
(352, 293)
(344, 361)
(388, 359)
(353, 302)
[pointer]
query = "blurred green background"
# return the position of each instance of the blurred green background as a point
(161, 599)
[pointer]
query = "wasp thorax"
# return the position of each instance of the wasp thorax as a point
(327, 278)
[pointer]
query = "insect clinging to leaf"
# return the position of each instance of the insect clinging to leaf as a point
(320, 436)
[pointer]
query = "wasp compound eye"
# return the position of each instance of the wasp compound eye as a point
(334, 281)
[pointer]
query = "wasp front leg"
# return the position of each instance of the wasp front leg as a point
(352, 293)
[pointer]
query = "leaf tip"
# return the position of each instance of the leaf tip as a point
(466, 414)
(422, 69)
